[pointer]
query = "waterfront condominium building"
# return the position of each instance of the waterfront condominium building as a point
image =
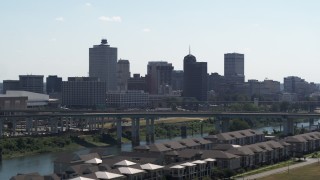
(83, 92)
(234, 68)
(195, 78)
(159, 74)
(31, 83)
(123, 74)
(103, 64)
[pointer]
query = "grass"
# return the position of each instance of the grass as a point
(267, 168)
(68, 148)
(308, 172)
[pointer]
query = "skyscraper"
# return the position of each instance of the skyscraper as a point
(53, 84)
(159, 74)
(123, 74)
(103, 64)
(83, 92)
(234, 68)
(177, 80)
(195, 78)
(32, 83)
(11, 85)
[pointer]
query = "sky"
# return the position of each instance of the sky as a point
(53, 37)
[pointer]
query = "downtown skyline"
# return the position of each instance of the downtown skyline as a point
(278, 38)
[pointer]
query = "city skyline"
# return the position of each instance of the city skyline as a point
(278, 38)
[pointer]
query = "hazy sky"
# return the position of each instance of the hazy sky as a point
(278, 37)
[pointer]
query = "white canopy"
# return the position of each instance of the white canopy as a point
(210, 160)
(199, 162)
(177, 167)
(107, 175)
(81, 178)
(128, 170)
(150, 166)
(124, 163)
(187, 164)
(94, 161)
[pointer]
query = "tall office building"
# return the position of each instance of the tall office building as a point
(137, 82)
(195, 78)
(177, 80)
(31, 83)
(10, 85)
(123, 74)
(159, 74)
(83, 92)
(216, 82)
(53, 84)
(103, 64)
(234, 68)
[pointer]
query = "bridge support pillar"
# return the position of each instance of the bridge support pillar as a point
(225, 125)
(119, 130)
(217, 125)
(14, 127)
(152, 130)
(36, 122)
(137, 131)
(222, 125)
(70, 123)
(133, 132)
(1, 127)
(29, 126)
(90, 124)
(288, 126)
(183, 131)
(95, 125)
(56, 121)
(311, 123)
(147, 130)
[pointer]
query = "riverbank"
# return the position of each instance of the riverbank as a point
(27, 146)
(167, 128)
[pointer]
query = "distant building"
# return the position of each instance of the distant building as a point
(53, 84)
(195, 78)
(270, 87)
(83, 92)
(215, 82)
(31, 83)
(177, 80)
(11, 85)
(299, 86)
(266, 88)
(123, 74)
(137, 82)
(234, 68)
(128, 99)
(159, 74)
(288, 97)
(103, 64)
(8, 102)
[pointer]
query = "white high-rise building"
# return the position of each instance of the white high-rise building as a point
(103, 64)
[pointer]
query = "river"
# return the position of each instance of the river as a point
(43, 163)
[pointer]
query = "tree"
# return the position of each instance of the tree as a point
(239, 125)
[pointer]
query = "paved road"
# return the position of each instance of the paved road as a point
(279, 170)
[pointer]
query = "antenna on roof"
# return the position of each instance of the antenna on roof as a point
(189, 50)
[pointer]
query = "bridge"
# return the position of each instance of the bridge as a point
(52, 122)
